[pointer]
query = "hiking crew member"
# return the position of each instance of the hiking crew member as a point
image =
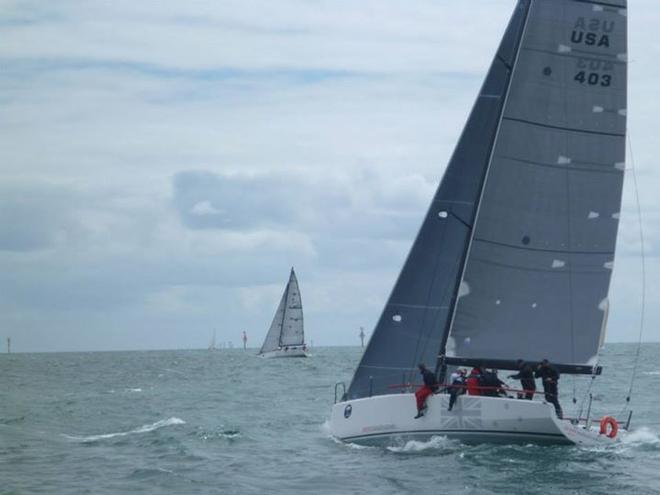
(526, 376)
(550, 376)
(430, 386)
(457, 387)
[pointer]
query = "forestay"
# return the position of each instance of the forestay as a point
(413, 325)
(538, 269)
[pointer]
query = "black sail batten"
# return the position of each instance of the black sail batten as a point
(509, 364)
(412, 327)
(537, 273)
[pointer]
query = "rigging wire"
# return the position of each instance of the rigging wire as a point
(643, 266)
(586, 394)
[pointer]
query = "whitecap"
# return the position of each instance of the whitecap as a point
(641, 436)
(142, 429)
(411, 446)
(651, 373)
(134, 390)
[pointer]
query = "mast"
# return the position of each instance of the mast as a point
(8, 345)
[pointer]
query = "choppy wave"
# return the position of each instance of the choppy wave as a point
(223, 433)
(641, 436)
(142, 429)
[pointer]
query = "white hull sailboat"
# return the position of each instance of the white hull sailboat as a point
(286, 336)
(514, 257)
(385, 419)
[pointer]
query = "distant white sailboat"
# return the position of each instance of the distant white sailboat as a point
(212, 344)
(286, 336)
(515, 255)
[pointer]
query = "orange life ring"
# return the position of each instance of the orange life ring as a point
(613, 423)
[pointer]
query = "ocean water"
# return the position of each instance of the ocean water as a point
(189, 422)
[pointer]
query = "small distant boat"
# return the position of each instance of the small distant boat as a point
(212, 345)
(286, 336)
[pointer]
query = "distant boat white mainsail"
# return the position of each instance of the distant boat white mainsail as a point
(212, 344)
(286, 336)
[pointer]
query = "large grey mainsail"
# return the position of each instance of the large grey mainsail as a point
(286, 328)
(414, 322)
(538, 269)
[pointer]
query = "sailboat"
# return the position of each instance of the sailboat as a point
(515, 255)
(286, 336)
(212, 344)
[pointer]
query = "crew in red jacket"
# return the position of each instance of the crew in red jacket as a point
(473, 381)
(430, 386)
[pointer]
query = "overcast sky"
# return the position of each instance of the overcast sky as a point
(164, 164)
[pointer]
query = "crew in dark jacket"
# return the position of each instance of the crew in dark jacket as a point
(526, 376)
(430, 386)
(550, 377)
(491, 384)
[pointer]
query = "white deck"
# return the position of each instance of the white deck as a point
(474, 419)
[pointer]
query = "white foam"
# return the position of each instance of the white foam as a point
(416, 446)
(643, 435)
(142, 429)
(134, 390)
(325, 428)
(654, 373)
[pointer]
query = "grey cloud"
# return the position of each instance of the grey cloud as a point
(34, 216)
(332, 207)
(235, 203)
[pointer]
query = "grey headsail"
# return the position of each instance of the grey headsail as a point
(538, 269)
(414, 322)
(287, 326)
(293, 328)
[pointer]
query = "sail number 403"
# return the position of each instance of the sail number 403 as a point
(593, 78)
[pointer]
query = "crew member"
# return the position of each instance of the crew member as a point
(491, 384)
(457, 387)
(430, 386)
(474, 381)
(550, 377)
(526, 376)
